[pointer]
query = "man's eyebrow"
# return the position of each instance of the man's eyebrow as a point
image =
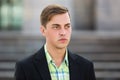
(56, 24)
(67, 24)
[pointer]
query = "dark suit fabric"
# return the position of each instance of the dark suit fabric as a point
(35, 68)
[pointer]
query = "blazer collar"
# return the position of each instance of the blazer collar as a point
(41, 64)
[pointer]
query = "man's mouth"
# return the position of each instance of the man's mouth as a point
(63, 40)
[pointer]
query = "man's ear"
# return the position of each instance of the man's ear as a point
(42, 29)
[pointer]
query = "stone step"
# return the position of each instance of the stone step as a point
(99, 74)
(105, 57)
(91, 56)
(99, 66)
(94, 48)
(7, 66)
(13, 57)
(107, 74)
(107, 66)
(6, 74)
(72, 47)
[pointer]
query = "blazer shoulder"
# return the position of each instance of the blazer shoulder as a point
(81, 60)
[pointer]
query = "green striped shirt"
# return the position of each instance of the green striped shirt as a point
(58, 73)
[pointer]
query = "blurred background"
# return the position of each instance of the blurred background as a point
(96, 33)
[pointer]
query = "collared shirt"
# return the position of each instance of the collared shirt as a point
(58, 73)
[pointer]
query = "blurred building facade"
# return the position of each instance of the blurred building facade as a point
(86, 14)
(96, 33)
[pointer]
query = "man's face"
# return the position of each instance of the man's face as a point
(58, 31)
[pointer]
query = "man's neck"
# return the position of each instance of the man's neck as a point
(56, 54)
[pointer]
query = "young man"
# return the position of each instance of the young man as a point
(53, 61)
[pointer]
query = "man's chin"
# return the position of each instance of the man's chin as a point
(61, 46)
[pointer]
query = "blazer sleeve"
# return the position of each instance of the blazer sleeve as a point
(19, 72)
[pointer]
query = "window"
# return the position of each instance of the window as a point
(11, 14)
(84, 15)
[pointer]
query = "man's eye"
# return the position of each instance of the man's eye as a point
(56, 27)
(66, 27)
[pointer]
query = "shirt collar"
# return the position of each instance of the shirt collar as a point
(49, 58)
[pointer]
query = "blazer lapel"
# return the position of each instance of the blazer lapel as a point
(41, 64)
(74, 69)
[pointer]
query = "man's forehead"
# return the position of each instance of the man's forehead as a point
(64, 16)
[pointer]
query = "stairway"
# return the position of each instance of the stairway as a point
(103, 50)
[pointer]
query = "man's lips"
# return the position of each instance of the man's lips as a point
(62, 40)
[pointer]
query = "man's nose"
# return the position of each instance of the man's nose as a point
(62, 32)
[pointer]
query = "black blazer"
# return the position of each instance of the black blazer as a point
(35, 68)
